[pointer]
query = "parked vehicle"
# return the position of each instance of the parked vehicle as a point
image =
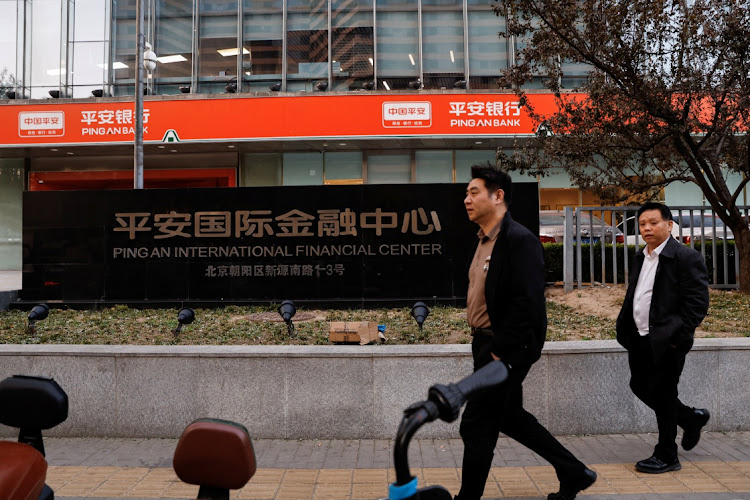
(443, 402)
(681, 228)
(552, 228)
(31, 404)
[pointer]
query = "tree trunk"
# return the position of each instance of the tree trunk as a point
(742, 246)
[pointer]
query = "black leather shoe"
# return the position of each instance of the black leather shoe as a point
(655, 465)
(569, 491)
(692, 434)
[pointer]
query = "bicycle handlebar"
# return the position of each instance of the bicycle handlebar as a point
(444, 402)
(450, 398)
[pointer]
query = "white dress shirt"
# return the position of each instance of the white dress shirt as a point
(645, 287)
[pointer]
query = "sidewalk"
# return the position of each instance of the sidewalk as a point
(718, 468)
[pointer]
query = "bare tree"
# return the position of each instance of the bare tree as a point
(667, 100)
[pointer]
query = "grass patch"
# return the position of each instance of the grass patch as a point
(729, 312)
(233, 325)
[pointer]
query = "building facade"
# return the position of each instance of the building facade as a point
(259, 93)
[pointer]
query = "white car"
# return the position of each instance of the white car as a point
(682, 222)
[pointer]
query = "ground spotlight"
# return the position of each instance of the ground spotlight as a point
(321, 86)
(419, 312)
(37, 313)
(97, 93)
(368, 85)
(460, 84)
(416, 84)
(185, 89)
(55, 94)
(184, 317)
(11, 94)
(275, 87)
(287, 310)
(231, 88)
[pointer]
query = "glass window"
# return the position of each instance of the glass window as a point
(218, 48)
(488, 53)
(123, 65)
(11, 191)
(352, 42)
(389, 169)
(48, 59)
(261, 169)
(343, 166)
(465, 159)
(442, 48)
(398, 48)
(434, 166)
(307, 44)
(91, 23)
(263, 35)
(7, 51)
(173, 44)
(303, 169)
(89, 63)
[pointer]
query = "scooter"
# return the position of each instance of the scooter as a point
(217, 455)
(30, 404)
(443, 402)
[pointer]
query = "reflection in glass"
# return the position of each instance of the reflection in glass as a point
(352, 44)
(173, 45)
(434, 166)
(7, 53)
(389, 169)
(398, 48)
(442, 48)
(263, 35)
(303, 169)
(261, 169)
(466, 158)
(123, 65)
(307, 44)
(91, 23)
(218, 48)
(89, 67)
(488, 53)
(343, 165)
(48, 58)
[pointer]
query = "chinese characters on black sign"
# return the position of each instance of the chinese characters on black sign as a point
(323, 243)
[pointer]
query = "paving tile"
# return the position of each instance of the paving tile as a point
(370, 476)
(301, 476)
(352, 469)
(335, 476)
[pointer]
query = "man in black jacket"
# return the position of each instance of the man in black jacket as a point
(508, 318)
(667, 299)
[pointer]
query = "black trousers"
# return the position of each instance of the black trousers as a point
(655, 383)
(501, 410)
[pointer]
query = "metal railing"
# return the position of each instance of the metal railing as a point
(602, 240)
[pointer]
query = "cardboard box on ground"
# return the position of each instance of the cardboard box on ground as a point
(364, 332)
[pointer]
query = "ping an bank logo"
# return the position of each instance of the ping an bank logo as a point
(41, 124)
(403, 114)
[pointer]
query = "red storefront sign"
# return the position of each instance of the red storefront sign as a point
(247, 118)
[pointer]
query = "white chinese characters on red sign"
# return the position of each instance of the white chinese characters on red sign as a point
(109, 122)
(407, 114)
(486, 114)
(41, 124)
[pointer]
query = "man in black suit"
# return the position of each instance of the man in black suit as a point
(667, 299)
(505, 307)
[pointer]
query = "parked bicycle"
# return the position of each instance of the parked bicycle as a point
(31, 404)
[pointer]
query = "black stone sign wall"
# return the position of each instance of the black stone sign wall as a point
(327, 244)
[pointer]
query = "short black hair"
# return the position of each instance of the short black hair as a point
(666, 213)
(494, 179)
